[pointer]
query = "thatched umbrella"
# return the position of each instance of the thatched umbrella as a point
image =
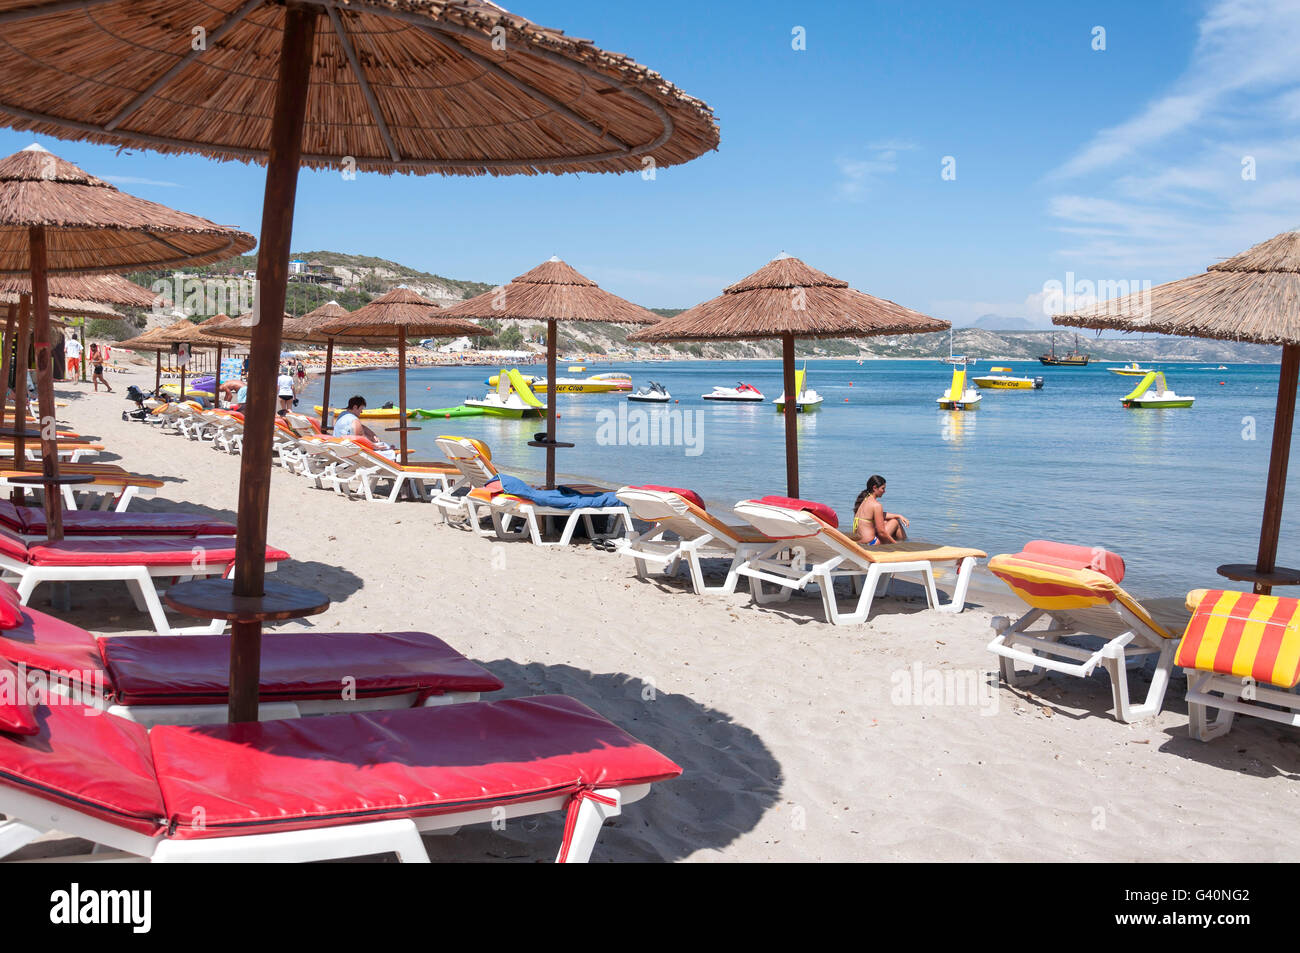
(399, 314)
(305, 330)
(90, 292)
(197, 335)
(412, 86)
(148, 341)
(552, 292)
(788, 299)
(57, 219)
(1254, 296)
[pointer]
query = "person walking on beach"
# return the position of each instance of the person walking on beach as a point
(73, 350)
(871, 523)
(284, 390)
(97, 365)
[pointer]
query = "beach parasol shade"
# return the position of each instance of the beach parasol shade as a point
(390, 85)
(198, 335)
(399, 314)
(112, 290)
(552, 292)
(1253, 296)
(58, 219)
(789, 299)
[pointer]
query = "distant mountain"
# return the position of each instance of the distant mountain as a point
(1001, 322)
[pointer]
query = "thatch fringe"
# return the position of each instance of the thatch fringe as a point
(399, 312)
(553, 291)
(101, 289)
(787, 296)
(416, 86)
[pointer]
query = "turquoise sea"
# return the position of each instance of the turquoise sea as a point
(1176, 492)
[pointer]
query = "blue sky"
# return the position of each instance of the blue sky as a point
(1119, 164)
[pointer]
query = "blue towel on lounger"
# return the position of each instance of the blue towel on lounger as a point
(561, 498)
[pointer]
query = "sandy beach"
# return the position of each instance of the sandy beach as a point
(800, 741)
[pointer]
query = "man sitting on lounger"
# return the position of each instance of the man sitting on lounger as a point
(349, 424)
(871, 524)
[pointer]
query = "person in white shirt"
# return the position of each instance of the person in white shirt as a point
(284, 390)
(72, 348)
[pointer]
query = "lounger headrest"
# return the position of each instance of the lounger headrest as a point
(483, 449)
(1070, 556)
(16, 716)
(1243, 635)
(690, 495)
(819, 510)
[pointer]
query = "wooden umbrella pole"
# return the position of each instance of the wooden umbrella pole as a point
(216, 386)
(283, 158)
(401, 390)
(6, 362)
(157, 374)
(325, 398)
(20, 389)
(45, 385)
(791, 418)
(182, 367)
(1283, 421)
(552, 405)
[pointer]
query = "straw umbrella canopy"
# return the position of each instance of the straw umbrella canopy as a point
(552, 292)
(57, 219)
(1255, 297)
(399, 314)
(198, 335)
(386, 85)
(788, 299)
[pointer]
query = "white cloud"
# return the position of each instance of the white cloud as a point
(136, 180)
(859, 174)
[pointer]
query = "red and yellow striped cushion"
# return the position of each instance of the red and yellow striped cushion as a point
(1249, 636)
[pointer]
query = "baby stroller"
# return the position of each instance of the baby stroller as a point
(137, 397)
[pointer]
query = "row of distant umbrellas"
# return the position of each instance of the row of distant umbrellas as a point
(419, 86)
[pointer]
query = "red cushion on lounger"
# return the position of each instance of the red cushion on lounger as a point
(166, 670)
(10, 517)
(820, 510)
(684, 494)
(1070, 556)
(92, 762)
(43, 642)
(16, 716)
(11, 607)
(137, 551)
(106, 523)
(254, 777)
(12, 545)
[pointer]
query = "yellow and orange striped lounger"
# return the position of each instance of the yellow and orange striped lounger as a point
(1241, 653)
(810, 550)
(1077, 588)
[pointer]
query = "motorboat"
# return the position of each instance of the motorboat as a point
(1000, 378)
(742, 393)
(807, 399)
(1152, 391)
(652, 393)
(1131, 369)
(958, 396)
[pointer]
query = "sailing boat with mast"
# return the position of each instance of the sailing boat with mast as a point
(1075, 358)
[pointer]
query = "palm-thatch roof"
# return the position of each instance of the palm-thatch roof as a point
(111, 290)
(68, 307)
(396, 85)
(302, 330)
(1253, 296)
(149, 341)
(786, 296)
(553, 291)
(399, 313)
(93, 227)
(196, 335)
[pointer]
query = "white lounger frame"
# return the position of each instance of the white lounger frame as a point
(505, 510)
(31, 817)
(139, 582)
(1124, 638)
(1228, 694)
(113, 496)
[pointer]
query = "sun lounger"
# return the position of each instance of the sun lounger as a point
(135, 560)
(372, 470)
(468, 499)
(572, 503)
(1078, 589)
(114, 485)
(696, 535)
(810, 550)
(184, 679)
(315, 788)
(1241, 653)
(29, 522)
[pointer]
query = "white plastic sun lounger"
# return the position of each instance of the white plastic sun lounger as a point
(810, 551)
(696, 535)
(376, 781)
